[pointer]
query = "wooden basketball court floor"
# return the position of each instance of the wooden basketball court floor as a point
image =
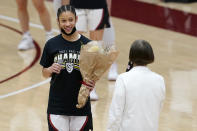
(23, 99)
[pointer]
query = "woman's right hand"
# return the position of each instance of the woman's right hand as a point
(55, 68)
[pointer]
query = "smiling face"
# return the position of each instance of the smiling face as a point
(67, 21)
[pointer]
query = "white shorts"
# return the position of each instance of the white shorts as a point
(67, 123)
(91, 19)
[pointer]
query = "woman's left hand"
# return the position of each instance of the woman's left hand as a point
(90, 84)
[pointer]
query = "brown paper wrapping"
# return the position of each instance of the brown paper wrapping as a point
(95, 58)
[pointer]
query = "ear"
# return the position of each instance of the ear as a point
(58, 23)
(76, 18)
(57, 20)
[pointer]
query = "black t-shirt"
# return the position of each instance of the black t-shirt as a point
(64, 87)
(89, 4)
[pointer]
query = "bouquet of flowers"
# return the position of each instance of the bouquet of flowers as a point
(95, 58)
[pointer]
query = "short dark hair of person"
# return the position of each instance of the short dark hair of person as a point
(141, 53)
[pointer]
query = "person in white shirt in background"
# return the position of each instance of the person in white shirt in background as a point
(23, 16)
(108, 36)
(139, 93)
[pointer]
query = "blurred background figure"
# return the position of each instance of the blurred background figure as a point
(23, 16)
(139, 93)
(93, 17)
(109, 36)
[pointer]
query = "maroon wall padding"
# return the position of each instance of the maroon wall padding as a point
(155, 15)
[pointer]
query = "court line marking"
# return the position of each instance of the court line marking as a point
(31, 24)
(25, 89)
(37, 84)
(36, 57)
